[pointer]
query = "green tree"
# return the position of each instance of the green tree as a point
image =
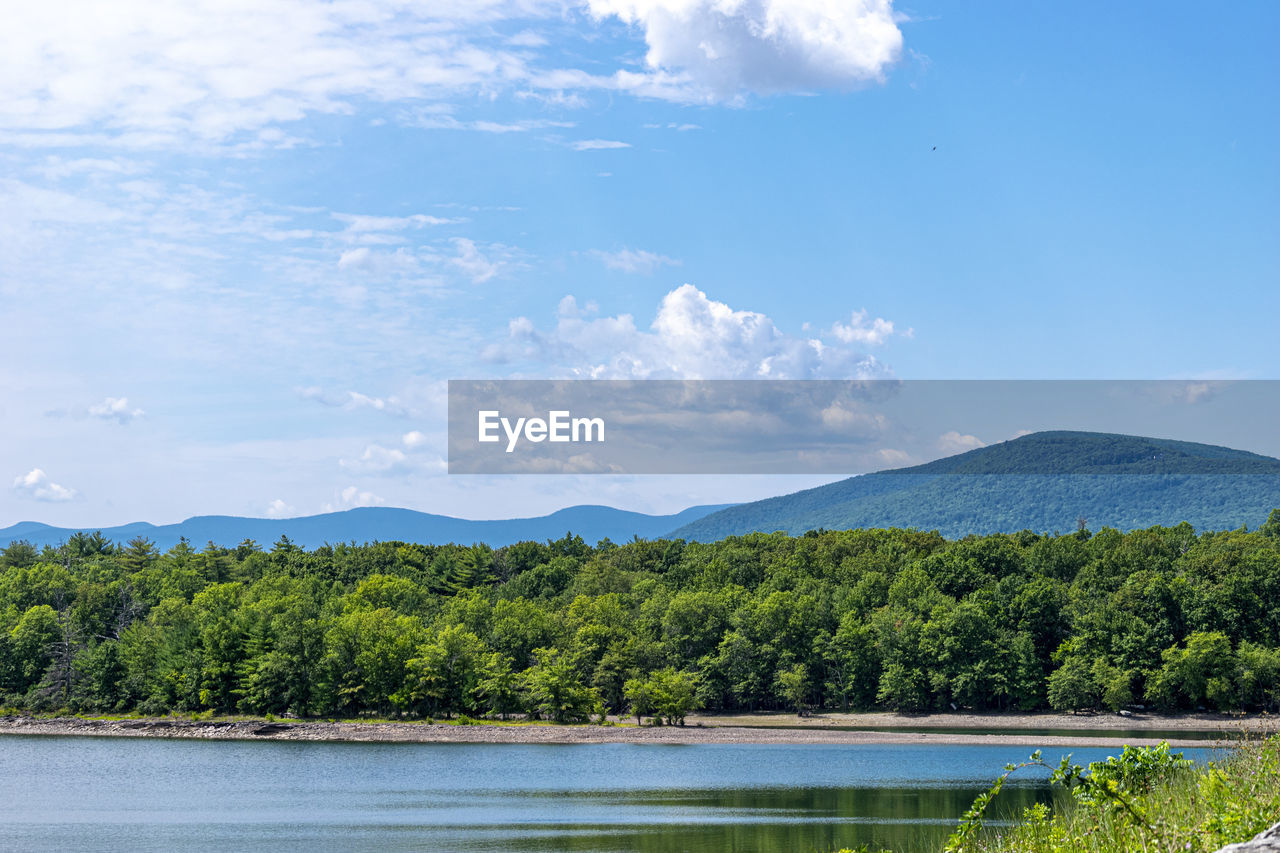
(641, 697)
(1271, 527)
(793, 682)
(444, 675)
(553, 690)
(499, 686)
(32, 644)
(366, 654)
(674, 695)
(1203, 671)
(1259, 676)
(1072, 686)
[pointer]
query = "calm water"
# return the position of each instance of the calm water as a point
(78, 793)
(1119, 735)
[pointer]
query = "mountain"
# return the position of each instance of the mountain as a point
(1043, 482)
(369, 524)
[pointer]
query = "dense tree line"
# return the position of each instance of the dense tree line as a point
(562, 630)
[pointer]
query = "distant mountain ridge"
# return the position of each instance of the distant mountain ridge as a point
(1043, 482)
(368, 524)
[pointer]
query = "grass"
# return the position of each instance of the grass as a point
(1164, 807)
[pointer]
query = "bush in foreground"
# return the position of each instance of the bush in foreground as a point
(1147, 799)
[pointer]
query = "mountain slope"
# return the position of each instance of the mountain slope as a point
(368, 524)
(1044, 482)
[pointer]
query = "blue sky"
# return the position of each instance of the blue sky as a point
(244, 245)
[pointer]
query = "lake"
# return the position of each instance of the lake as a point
(86, 793)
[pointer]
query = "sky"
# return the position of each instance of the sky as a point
(244, 245)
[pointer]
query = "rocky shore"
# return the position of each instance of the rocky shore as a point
(985, 730)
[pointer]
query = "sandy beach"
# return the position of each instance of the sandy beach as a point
(876, 728)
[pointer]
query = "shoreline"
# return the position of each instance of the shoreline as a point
(830, 729)
(1201, 721)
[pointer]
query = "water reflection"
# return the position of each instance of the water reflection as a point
(125, 794)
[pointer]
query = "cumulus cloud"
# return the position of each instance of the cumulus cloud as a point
(414, 438)
(279, 509)
(412, 457)
(859, 330)
(634, 260)
(952, 442)
(115, 409)
(718, 49)
(692, 337)
(894, 457)
(377, 459)
(36, 485)
(110, 409)
(153, 76)
(352, 497)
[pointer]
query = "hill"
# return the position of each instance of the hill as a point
(370, 524)
(1043, 482)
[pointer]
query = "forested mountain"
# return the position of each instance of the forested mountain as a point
(372, 524)
(865, 618)
(1045, 481)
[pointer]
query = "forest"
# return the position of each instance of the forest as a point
(1164, 617)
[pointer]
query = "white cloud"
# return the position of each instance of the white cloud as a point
(894, 457)
(597, 144)
(36, 485)
(528, 38)
(634, 260)
(719, 49)
(858, 330)
(377, 459)
(472, 262)
(361, 224)
(402, 264)
(354, 401)
(954, 442)
(415, 458)
(115, 409)
(352, 497)
(39, 204)
(205, 73)
(842, 417)
(56, 168)
(279, 509)
(444, 120)
(151, 73)
(692, 337)
(355, 258)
